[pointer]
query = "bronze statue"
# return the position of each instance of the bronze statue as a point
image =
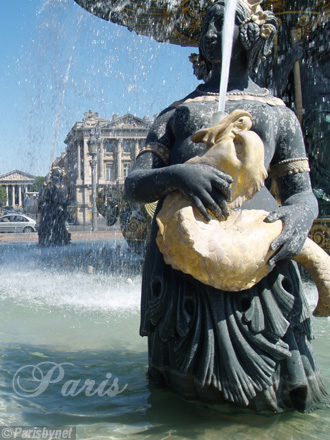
(53, 213)
(249, 347)
(204, 248)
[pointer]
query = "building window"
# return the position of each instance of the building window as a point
(127, 167)
(126, 145)
(109, 145)
(109, 173)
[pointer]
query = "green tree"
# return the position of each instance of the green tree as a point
(3, 195)
(37, 184)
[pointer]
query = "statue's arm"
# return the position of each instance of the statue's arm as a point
(150, 178)
(299, 206)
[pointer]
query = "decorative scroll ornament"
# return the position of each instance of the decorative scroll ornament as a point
(90, 118)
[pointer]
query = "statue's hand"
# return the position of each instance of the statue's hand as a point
(297, 221)
(206, 187)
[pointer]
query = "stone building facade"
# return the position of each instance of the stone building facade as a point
(120, 141)
(17, 184)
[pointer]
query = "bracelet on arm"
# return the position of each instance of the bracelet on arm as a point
(159, 149)
(291, 166)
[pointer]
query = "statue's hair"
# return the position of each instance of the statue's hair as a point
(252, 35)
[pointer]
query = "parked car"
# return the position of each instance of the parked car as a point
(17, 223)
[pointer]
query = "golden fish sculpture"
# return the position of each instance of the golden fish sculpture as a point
(232, 254)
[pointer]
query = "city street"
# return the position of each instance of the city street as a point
(78, 232)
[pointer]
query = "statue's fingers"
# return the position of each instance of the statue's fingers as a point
(282, 247)
(225, 176)
(282, 253)
(224, 188)
(224, 208)
(279, 241)
(273, 216)
(288, 244)
(222, 203)
(212, 204)
(274, 259)
(200, 207)
(220, 199)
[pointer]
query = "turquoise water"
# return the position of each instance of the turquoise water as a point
(59, 319)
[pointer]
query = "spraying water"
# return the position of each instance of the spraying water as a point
(59, 112)
(227, 44)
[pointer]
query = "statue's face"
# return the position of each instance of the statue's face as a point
(57, 176)
(211, 39)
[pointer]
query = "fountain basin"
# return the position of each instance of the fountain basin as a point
(54, 314)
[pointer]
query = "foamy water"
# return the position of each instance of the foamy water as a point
(77, 290)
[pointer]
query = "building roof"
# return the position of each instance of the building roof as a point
(16, 176)
(128, 120)
(125, 122)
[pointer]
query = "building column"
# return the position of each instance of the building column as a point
(78, 164)
(87, 180)
(7, 191)
(101, 162)
(118, 160)
(13, 196)
(23, 192)
(87, 167)
(19, 196)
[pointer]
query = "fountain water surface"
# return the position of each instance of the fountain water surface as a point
(57, 319)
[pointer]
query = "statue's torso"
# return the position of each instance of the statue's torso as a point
(193, 115)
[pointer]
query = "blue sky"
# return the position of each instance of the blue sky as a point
(58, 61)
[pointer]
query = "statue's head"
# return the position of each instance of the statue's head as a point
(56, 176)
(254, 31)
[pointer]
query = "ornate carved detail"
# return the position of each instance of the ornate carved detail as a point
(320, 233)
(90, 118)
(127, 121)
(290, 166)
